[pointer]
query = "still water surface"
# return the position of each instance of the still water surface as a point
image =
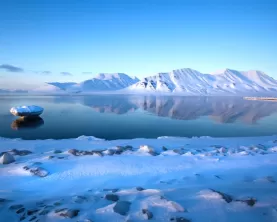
(124, 117)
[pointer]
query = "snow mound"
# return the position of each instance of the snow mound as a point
(26, 110)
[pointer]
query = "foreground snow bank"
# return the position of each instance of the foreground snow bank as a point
(164, 179)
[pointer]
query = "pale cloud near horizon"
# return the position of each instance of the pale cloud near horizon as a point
(66, 73)
(46, 72)
(11, 68)
(43, 72)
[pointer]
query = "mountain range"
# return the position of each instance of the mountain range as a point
(191, 82)
(180, 81)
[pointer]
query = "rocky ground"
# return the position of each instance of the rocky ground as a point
(164, 179)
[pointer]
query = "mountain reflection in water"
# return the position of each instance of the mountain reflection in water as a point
(219, 109)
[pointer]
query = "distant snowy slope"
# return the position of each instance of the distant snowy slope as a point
(62, 85)
(47, 88)
(191, 82)
(11, 91)
(104, 82)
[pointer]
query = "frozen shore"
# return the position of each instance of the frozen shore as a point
(164, 179)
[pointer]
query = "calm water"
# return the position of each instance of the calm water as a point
(114, 117)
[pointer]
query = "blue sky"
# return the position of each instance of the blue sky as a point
(73, 40)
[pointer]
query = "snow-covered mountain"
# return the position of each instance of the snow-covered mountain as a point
(180, 81)
(102, 82)
(62, 85)
(47, 88)
(191, 82)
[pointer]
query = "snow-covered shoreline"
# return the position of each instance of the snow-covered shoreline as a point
(163, 179)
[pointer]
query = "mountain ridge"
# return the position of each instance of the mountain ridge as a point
(184, 81)
(192, 82)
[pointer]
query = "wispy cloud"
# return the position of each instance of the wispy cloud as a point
(46, 72)
(11, 68)
(66, 73)
(87, 73)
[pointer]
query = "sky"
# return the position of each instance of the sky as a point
(73, 40)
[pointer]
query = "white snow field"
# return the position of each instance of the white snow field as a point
(164, 179)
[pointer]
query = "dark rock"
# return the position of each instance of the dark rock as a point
(79, 199)
(164, 148)
(57, 151)
(21, 210)
(140, 188)
(148, 213)
(271, 179)
(99, 153)
(15, 207)
(112, 197)
(122, 207)
(7, 158)
(2, 200)
(261, 146)
(44, 212)
(38, 171)
(182, 219)
(86, 153)
(216, 146)
(33, 218)
(49, 207)
(26, 168)
(60, 210)
(178, 151)
(70, 213)
(250, 202)
(225, 196)
(109, 152)
(73, 152)
(128, 147)
(118, 152)
(37, 163)
(41, 204)
(153, 153)
(20, 152)
(112, 190)
(61, 157)
(218, 177)
(22, 218)
(57, 204)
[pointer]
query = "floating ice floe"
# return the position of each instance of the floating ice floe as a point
(27, 111)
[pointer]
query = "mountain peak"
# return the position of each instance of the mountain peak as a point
(108, 76)
(188, 81)
(221, 71)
